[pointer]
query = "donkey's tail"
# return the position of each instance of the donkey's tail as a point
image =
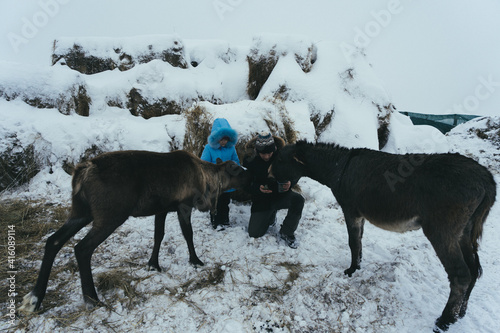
(481, 213)
(479, 217)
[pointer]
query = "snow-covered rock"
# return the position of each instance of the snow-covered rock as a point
(310, 91)
(45, 87)
(97, 54)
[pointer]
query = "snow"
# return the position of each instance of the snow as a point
(406, 138)
(52, 84)
(111, 48)
(264, 286)
(429, 55)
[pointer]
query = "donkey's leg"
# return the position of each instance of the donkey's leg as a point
(472, 260)
(159, 233)
(448, 250)
(83, 252)
(32, 301)
(355, 227)
(184, 215)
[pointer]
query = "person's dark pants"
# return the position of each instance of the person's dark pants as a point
(260, 220)
(222, 215)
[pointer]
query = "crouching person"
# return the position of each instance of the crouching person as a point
(267, 195)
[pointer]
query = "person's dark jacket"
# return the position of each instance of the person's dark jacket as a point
(258, 168)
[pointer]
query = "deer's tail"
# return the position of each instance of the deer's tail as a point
(80, 203)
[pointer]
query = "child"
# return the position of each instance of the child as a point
(221, 144)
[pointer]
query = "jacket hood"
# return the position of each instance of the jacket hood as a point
(220, 129)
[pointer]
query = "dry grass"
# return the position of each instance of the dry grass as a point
(81, 101)
(287, 131)
(321, 122)
(198, 126)
(209, 277)
(275, 294)
(89, 153)
(491, 133)
(110, 282)
(384, 118)
(32, 221)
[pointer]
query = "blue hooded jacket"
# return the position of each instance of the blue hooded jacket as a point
(213, 149)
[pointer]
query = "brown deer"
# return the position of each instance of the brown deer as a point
(114, 186)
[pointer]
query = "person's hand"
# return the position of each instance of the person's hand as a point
(265, 189)
(286, 186)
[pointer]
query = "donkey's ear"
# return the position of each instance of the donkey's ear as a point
(297, 159)
(218, 160)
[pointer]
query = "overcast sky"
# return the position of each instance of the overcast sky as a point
(433, 56)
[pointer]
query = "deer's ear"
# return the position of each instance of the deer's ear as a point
(297, 159)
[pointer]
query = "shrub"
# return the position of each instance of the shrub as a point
(17, 165)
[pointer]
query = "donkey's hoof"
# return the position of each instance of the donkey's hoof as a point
(463, 310)
(443, 323)
(30, 303)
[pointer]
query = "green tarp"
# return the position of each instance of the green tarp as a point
(443, 122)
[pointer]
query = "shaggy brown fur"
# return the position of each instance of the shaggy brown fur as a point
(113, 186)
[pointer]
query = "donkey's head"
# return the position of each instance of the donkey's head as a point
(287, 165)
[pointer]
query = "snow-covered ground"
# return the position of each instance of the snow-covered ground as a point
(259, 285)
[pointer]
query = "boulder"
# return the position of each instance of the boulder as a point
(44, 88)
(267, 50)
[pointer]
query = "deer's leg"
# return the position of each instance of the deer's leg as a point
(83, 252)
(33, 300)
(159, 233)
(355, 227)
(184, 215)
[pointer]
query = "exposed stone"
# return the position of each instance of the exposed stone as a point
(91, 56)
(264, 56)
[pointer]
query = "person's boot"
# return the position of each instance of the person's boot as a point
(224, 220)
(289, 240)
(213, 221)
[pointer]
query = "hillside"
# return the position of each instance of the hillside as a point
(161, 93)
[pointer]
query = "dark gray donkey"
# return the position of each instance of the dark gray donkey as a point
(447, 195)
(113, 186)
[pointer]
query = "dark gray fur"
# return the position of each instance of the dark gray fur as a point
(449, 196)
